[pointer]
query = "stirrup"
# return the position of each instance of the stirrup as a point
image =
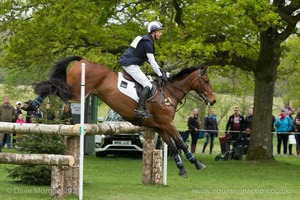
(142, 114)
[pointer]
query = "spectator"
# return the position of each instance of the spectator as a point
(235, 125)
(242, 141)
(272, 133)
(211, 130)
(7, 114)
(18, 108)
(289, 114)
(283, 125)
(248, 121)
(297, 129)
(66, 115)
(18, 111)
(20, 120)
(49, 114)
(193, 126)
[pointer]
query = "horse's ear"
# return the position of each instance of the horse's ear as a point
(204, 68)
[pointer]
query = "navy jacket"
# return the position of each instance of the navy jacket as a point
(137, 56)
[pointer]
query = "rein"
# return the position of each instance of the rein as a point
(181, 90)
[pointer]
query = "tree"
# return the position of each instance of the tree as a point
(287, 85)
(249, 35)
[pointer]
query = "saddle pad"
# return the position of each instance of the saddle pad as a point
(127, 87)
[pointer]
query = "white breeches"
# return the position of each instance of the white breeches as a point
(138, 75)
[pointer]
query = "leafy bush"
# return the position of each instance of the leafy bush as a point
(31, 174)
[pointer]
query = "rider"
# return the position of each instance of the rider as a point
(141, 50)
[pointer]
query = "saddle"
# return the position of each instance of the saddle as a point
(139, 87)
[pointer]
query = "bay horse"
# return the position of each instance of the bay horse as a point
(102, 82)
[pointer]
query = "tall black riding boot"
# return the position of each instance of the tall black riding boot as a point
(141, 111)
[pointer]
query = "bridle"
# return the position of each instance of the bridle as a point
(202, 96)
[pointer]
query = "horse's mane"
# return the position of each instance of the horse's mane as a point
(185, 71)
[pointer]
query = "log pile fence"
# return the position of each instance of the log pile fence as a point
(65, 168)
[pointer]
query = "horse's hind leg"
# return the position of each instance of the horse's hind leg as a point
(174, 150)
(199, 165)
(179, 163)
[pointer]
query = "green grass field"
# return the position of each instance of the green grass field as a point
(117, 178)
(121, 178)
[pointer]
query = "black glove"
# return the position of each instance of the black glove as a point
(164, 75)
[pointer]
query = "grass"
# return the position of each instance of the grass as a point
(117, 178)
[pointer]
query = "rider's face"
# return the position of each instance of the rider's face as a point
(157, 34)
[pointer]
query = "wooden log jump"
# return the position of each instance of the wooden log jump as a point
(65, 176)
(59, 165)
(105, 128)
(37, 159)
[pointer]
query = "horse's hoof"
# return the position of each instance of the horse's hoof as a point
(27, 107)
(183, 173)
(199, 165)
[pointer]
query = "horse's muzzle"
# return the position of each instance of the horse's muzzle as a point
(212, 102)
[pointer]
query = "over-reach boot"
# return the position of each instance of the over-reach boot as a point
(193, 149)
(290, 149)
(204, 147)
(211, 148)
(141, 111)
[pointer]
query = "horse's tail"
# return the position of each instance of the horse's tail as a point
(57, 83)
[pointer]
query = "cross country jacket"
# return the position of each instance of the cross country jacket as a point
(136, 54)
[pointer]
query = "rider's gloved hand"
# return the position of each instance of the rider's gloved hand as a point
(164, 76)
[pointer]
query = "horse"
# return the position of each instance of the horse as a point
(102, 82)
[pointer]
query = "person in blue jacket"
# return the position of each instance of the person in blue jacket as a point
(283, 124)
(141, 50)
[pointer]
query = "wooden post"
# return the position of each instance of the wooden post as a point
(57, 181)
(157, 177)
(71, 178)
(148, 148)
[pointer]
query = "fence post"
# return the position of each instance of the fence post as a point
(157, 177)
(57, 181)
(152, 160)
(71, 185)
(148, 148)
